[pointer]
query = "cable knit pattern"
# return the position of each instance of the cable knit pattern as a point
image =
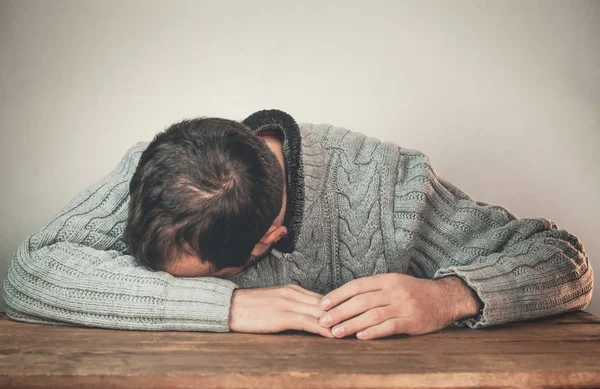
(375, 208)
(370, 207)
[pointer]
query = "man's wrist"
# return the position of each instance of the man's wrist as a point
(234, 309)
(464, 300)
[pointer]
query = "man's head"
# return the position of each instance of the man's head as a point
(206, 197)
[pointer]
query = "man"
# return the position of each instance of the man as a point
(199, 230)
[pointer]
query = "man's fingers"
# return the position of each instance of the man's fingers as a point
(368, 319)
(308, 309)
(294, 294)
(303, 322)
(354, 306)
(387, 328)
(305, 291)
(348, 290)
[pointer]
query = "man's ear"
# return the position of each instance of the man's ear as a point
(273, 235)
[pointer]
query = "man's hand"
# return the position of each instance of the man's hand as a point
(389, 304)
(276, 309)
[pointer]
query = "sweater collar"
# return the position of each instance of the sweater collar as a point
(279, 121)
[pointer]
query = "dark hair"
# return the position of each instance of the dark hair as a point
(207, 182)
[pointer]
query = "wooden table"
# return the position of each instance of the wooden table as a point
(563, 351)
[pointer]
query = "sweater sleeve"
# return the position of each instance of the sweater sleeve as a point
(77, 271)
(521, 269)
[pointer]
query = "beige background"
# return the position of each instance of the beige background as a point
(504, 96)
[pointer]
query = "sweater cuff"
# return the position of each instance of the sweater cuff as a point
(483, 317)
(199, 304)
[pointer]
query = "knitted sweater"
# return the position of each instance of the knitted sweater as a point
(359, 207)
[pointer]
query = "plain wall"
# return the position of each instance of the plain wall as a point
(503, 96)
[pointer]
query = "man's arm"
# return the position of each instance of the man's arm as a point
(463, 254)
(520, 268)
(76, 271)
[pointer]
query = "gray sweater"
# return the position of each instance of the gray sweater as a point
(362, 207)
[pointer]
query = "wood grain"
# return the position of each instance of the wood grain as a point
(562, 351)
